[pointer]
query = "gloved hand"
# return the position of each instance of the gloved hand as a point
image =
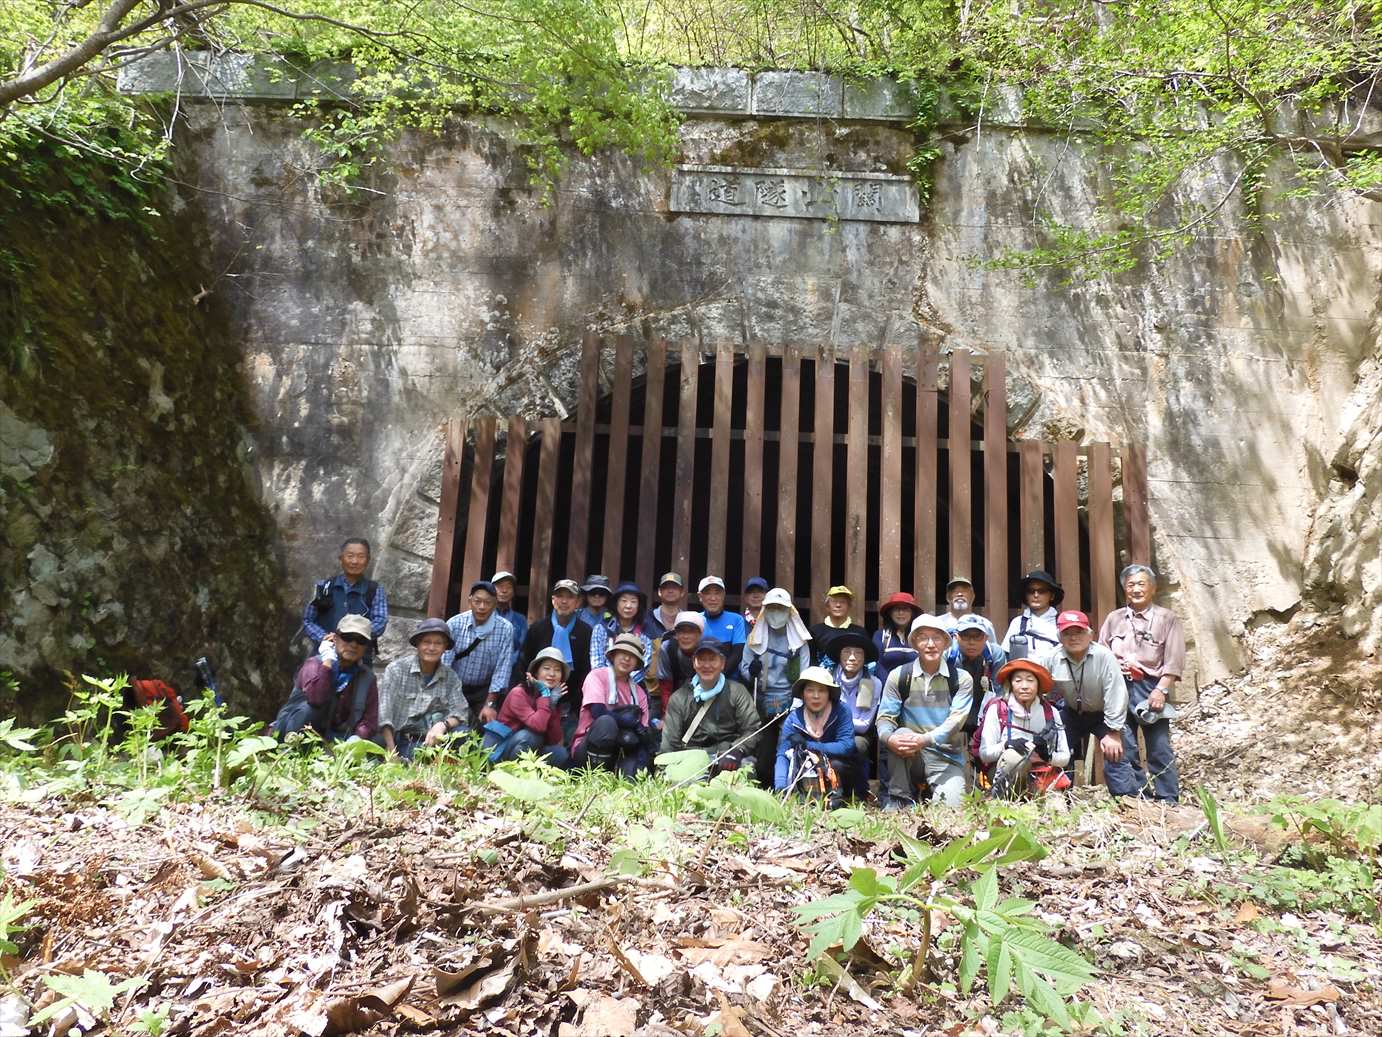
(729, 763)
(1021, 745)
(629, 740)
(326, 652)
(1043, 747)
(797, 738)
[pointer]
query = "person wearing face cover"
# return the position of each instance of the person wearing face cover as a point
(778, 650)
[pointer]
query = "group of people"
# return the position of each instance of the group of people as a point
(928, 705)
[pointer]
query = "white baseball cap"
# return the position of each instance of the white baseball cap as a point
(710, 581)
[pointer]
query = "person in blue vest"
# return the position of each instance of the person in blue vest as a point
(728, 628)
(347, 593)
(335, 692)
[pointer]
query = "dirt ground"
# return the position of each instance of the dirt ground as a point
(1304, 718)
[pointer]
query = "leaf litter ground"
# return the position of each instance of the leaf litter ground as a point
(448, 918)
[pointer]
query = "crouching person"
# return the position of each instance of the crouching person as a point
(816, 756)
(617, 730)
(1021, 741)
(335, 692)
(422, 702)
(529, 720)
(924, 706)
(712, 712)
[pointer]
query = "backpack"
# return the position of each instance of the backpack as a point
(1002, 705)
(952, 678)
(321, 595)
(141, 693)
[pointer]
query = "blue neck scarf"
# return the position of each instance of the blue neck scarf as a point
(344, 677)
(561, 636)
(704, 694)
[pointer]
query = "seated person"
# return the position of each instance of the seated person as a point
(530, 720)
(815, 751)
(1021, 743)
(861, 693)
(422, 702)
(617, 729)
(924, 706)
(676, 654)
(712, 712)
(335, 692)
(973, 652)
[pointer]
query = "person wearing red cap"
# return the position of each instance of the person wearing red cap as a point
(1089, 684)
(894, 621)
(1021, 740)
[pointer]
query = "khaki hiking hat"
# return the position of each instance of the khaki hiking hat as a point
(839, 590)
(355, 626)
(671, 578)
(817, 675)
(627, 643)
(926, 621)
(553, 655)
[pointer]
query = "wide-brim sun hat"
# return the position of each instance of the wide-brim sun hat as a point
(1042, 576)
(852, 639)
(1043, 675)
(926, 621)
(901, 598)
(627, 643)
(817, 675)
(432, 626)
(551, 655)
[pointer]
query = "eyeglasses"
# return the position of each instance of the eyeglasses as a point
(480, 599)
(931, 639)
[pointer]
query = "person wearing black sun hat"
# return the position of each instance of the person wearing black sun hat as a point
(1033, 633)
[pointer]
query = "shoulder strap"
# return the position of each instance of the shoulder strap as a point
(371, 587)
(952, 677)
(696, 720)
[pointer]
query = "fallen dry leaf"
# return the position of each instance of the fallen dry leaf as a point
(604, 1016)
(1282, 990)
(731, 1022)
(722, 952)
(1247, 912)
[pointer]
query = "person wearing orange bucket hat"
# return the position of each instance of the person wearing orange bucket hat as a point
(1021, 745)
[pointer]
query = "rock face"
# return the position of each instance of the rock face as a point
(132, 538)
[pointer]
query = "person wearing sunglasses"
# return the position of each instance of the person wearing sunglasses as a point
(335, 692)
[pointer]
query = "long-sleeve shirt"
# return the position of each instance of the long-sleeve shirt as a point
(377, 610)
(601, 688)
(412, 701)
(862, 700)
(490, 661)
(600, 638)
(1017, 722)
(1039, 630)
(529, 707)
(836, 740)
(731, 721)
(518, 621)
(319, 683)
(927, 707)
(1152, 640)
(893, 651)
(776, 671)
(1090, 685)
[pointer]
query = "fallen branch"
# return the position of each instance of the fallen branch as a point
(552, 896)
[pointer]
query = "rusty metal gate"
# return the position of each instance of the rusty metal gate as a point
(797, 465)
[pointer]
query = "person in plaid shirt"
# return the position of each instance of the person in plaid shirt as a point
(422, 702)
(482, 651)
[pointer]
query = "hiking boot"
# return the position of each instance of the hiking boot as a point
(899, 804)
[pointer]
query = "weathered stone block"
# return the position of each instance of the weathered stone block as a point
(416, 528)
(797, 93)
(879, 99)
(719, 90)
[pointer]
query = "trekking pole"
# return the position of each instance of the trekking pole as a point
(736, 745)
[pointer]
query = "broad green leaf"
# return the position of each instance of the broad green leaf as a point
(828, 906)
(762, 805)
(845, 819)
(1066, 970)
(17, 737)
(92, 990)
(865, 882)
(843, 928)
(985, 890)
(969, 957)
(684, 764)
(1015, 906)
(1041, 995)
(249, 748)
(525, 790)
(1000, 970)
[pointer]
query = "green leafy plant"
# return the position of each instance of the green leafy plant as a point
(92, 991)
(11, 911)
(1210, 806)
(17, 738)
(1000, 935)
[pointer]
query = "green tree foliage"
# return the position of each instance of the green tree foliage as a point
(1189, 103)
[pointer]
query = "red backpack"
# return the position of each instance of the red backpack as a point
(154, 692)
(1002, 704)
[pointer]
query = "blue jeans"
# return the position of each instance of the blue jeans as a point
(525, 741)
(1161, 758)
(1079, 728)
